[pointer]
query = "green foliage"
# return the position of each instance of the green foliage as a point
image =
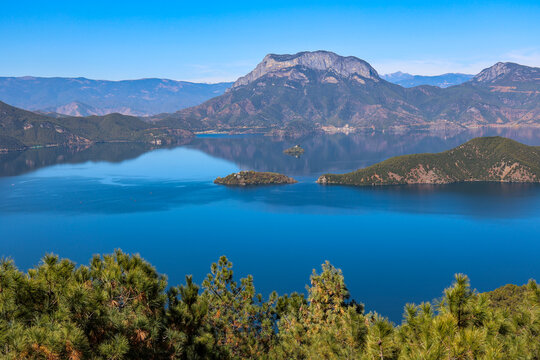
(21, 129)
(244, 178)
(480, 159)
(119, 307)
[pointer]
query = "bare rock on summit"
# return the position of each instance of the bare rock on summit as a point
(316, 60)
(508, 71)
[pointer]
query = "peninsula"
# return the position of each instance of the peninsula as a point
(490, 159)
(244, 178)
(21, 129)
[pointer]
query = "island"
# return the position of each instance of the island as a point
(488, 159)
(244, 178)
(296, 150)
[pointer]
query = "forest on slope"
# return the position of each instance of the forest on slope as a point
(489, 159)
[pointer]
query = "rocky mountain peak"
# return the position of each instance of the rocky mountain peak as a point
(497, 71)
(316, 60)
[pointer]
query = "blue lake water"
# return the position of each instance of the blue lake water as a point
(394, 244)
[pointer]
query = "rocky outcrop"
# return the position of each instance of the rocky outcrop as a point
(316, 60)
(244, 178)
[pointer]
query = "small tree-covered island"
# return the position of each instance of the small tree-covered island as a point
(245, 178)
(489, 159)
(295, 150)
(119, 307)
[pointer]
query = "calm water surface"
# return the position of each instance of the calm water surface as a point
(394, 244)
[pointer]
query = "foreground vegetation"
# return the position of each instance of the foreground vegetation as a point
(119, 307)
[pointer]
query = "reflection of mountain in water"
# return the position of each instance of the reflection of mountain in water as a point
(17, 163)
(340, 152)
(323, 153)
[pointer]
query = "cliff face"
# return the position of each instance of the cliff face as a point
(491, 159)
(277, 65)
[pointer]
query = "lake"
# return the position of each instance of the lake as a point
(394, 244)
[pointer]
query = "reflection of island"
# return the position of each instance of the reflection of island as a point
(20, 162)
(340, 152)
(323, 153)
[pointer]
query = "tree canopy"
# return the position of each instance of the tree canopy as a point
(119, 307)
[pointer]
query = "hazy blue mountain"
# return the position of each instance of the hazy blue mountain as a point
(83, 97)
(443, 81)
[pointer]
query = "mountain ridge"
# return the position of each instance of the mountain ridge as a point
(317, 60)
(443, 81)
(307, 88)
(21, 129)
(141, 97)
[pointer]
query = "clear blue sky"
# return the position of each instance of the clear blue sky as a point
(221, 40)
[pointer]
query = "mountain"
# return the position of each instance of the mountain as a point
(322, 90)
(442, 81)
(481, 159)
(83, 97)
(74, 108)
(20, 129)
(319, 88)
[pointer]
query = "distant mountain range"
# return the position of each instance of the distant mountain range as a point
(443, 81)
(326, 91)
(84, 97)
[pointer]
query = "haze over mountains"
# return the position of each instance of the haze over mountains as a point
(322, 89)
(84, 97)
(145, 97)
(443, 81)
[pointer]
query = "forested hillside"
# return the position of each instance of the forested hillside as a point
(20, 129)
(494, 158)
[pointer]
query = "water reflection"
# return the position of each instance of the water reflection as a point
(340, 152)
(21, 162)
(324, 153)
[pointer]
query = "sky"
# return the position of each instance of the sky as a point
(212, 41)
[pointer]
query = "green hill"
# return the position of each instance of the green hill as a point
(481, 159)
(21, 129)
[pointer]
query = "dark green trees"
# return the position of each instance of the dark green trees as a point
(119, 308)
